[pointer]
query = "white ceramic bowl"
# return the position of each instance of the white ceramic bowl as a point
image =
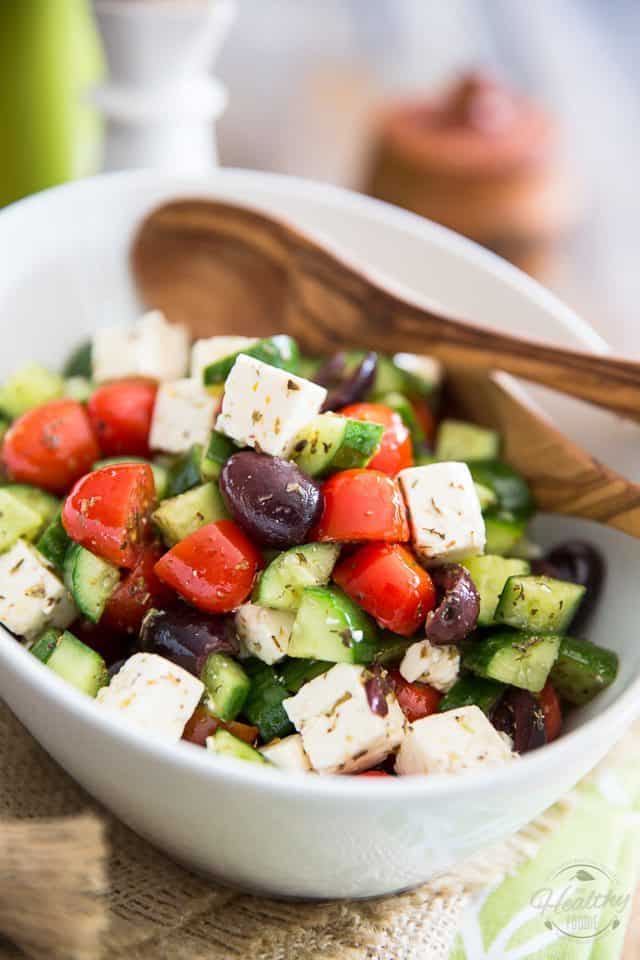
(64, 272)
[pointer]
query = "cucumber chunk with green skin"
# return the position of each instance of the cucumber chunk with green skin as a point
(295, 673)
(423, 374)
(486, 496)
(469, 691)
(263, 706)
(45, 644)
(399, 403)
(539, 604)
(392, 648)
(29, 387)
(503, 531)
(226, 745)
(308, 366)
(78, 664)
(509, 486)
(90, 580)
(160, 473)
(582, 670)
(510, 656)
(79, 362)
(54, 543)
(215, 455)
(330, 626)
(279, 351)
(4, 426)
(185, 472)
(180, 516)
(226, 686)
(489, 574)
(282, 584)
(459, 440)
(330, 442)
(17, 520)
(40, 501)
(78, 388)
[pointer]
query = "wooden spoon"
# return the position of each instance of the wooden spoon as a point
(220, 268)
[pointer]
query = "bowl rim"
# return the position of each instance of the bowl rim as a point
(607, 726)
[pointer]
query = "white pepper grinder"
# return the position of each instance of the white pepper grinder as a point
(161, 102)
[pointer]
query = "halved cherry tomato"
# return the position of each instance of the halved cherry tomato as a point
(120, 414)
(107, 512)
(550, 704)
(50, 446)
(362, 505)
(395, 451)
(137, 593)
(417, 700)
(374, 773)
(386, 580)
(425, 417)
(202, 725)
(213, 568)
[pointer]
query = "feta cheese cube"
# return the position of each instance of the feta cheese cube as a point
(287, 754)
(204, 352)
(153, 694)
(263, 633)
(32, 596)
(150, 348)
(264, 407)
(183, 415)
(450, 742)
(444, 510)
(340, 732)
(433, 664)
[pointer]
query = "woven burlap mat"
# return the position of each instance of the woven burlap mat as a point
(76, 884)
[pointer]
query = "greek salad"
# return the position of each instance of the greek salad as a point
(291, 561)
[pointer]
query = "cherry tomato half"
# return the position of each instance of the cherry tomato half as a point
(108, 512)
(138, 591)
(395, 451)
(374, 773)
(550, 704)
(213, 569)
(386, 580)
(202, 725)
(50, 446)
(120, 414)
(362, 505)
(417, 700)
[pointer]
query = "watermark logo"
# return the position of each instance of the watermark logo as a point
(582, 901)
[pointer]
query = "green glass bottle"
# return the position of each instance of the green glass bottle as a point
(50, 57)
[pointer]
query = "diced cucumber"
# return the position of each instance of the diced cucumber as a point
(399, 402)
(308, 366)
(79, 362)
(509, 486)
(226, 745)
(389, 377)
(503, 531)
(160, 473)
(45, 644)
(392, 648)
(179, 516)
(295, 673)
(330, 626)
(185, 472)
(330, 442)
(78, 664)
(282, 583)
(16, 520)
(54, 542)
(5, 423)
(512, 656)
(469, 691)
(90, 580)
(422, 458)
(582, 670)
(539, 604)
(490, 573)
(226, 686)
(40, 501)
(78, 388)
(278, 351)
(423, 373)
(215, 455)
(263, 706)
(29, 387)
(486, 496)
(459, 440)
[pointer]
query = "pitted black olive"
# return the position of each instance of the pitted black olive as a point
(187, 636)
(355, 386)
(579, 562)
(520, 714)
(456, 614)
(274, 502)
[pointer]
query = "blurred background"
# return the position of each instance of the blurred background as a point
(515, 123)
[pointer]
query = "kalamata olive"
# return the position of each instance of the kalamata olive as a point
(187, 637)
(456, 614)
(274, 502)
(354, 387)
(376, 688)
(331, 372)
(579, 562)
(520, 714)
